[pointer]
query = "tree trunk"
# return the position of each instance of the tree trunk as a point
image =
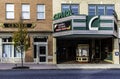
(21, 55)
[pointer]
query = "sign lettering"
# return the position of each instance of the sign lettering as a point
(62, 15)
(15, 25)
(62, 26)
(90, 23)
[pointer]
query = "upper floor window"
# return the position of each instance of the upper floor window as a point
(25, 11)
(9, 11)
(40, 11)
(100, 9)
(73, 7)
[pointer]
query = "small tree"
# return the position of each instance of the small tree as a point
(21, 39)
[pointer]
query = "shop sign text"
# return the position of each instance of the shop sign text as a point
(15, 25)
(62, 26)
(62, 14)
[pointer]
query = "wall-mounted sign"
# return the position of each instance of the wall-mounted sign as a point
(15, 25)
(91, 23)
(62, 14)
(62, 26)
(116, 53)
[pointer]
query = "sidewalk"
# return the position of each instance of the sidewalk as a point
(89, 66)
(6, 66)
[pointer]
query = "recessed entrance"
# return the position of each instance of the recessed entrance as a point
(40, 50)
(84, 50)
(82, 53)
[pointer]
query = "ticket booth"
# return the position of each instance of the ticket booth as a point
(82, 53)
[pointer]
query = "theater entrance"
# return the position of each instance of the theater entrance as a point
(84, 50)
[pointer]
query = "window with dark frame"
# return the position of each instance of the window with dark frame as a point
(99, 9)
(73, 7)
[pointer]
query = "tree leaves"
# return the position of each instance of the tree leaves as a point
(21, 37)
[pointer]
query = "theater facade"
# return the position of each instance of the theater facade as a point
(85, 38)
(86, 31)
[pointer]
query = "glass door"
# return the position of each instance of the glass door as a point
(82, 54)
(42, 53)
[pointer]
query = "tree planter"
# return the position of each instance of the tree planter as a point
(21, 67)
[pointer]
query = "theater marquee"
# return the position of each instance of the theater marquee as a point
(63, 26)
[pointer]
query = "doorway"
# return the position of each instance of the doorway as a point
(42, 53)
(84, 50)
(40, 50)
(82, 53)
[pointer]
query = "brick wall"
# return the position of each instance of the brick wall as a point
(41, 25)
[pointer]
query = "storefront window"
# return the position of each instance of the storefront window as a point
(7, 50)
(17, 53)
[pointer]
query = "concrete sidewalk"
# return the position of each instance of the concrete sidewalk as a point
(88, 66)
(6, 66)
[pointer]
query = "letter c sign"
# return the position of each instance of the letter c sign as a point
(90, 23)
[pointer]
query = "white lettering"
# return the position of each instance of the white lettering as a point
(90, 23)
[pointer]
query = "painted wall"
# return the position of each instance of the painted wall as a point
(84, 5)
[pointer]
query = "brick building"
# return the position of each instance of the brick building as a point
(37, 15)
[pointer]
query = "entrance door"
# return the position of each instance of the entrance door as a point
(97, 49)
(42, 53)
(82, 54)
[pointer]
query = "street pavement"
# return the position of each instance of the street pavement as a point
(5, 66)
(61, 74)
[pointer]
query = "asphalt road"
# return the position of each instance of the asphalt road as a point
(60, 74)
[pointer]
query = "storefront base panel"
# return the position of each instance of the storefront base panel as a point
(11, 60)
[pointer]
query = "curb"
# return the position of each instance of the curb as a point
(62, 66)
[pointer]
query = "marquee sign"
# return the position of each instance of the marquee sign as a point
(62, 14)
(90, 23)
(62, 26)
